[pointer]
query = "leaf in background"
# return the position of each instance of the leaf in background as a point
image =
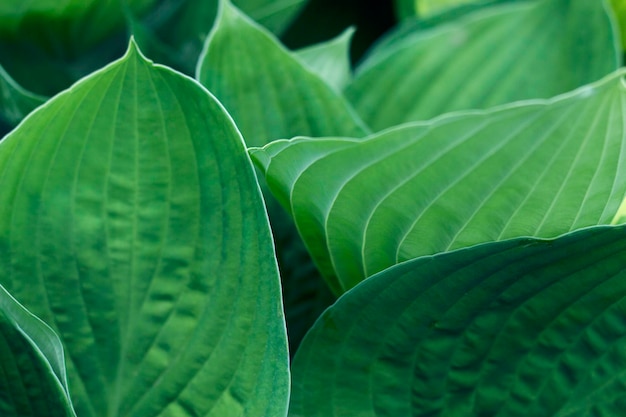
(495, 56)
(33, 380)
(517, 328)
(267, 90)
(540, 168)
(131, 221)
(174, 31)
(47, 45)
(275, 15)
(330, 60)
(15, 102)
(410, 8)
(619, 8)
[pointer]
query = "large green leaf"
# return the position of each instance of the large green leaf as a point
(268, 91)
(516, 328)
(494, 56)
(540, 168)
(33, 380)
(131, 221)
(15, 102)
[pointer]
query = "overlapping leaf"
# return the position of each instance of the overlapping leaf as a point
(331, 59)
(33, 380)
(540, 168)
(516, 328)
(269, 92)
(131, 220)
(498, 55)
(15, 102)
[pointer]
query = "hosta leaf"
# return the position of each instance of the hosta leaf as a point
(15, 102)
(33, 381)
(275, 15)
(173, 33)
(619, 8)
(540, 168)
(557, 45)
(409, 8)
(516, 328)
(268, 91)
(330, 60)
(131, 221)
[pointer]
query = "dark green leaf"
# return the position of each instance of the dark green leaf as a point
(517, 328)
(494, 56)
(33, 380)
(131, 220)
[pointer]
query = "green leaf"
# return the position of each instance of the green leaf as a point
(517, 328)
(33, 380)
(173, 33)
(330, 60)
(73, 25)
(408, 8)
(132, 222)
(539, 168)
(266, 89)
(275, 15)
(619, 8)
(494, 56)
(15, 102)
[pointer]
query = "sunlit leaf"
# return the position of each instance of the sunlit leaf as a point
(516, 328)
(330, 60)
(540, 168)
(33, 380)
(497, 55)
(131, 221)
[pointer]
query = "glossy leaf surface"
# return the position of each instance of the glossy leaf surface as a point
(33, 380)
(476, 62)
(540, 168)
(132, 222)
(517, 328)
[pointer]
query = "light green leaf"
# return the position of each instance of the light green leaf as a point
(275, 15)
(15, 102)
(132, 222)
(540, 168)
(409, 8)
(517, 328)
(33, 380)
(494, 56)
(619, 8)
(330, 60)
(268, 91)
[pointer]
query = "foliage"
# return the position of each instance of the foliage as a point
(445, 217)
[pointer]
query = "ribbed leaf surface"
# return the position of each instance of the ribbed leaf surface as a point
(516, 328)
(269, 92)
(33, 380)
(540, 168)
(498, 55)
(131, 220)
